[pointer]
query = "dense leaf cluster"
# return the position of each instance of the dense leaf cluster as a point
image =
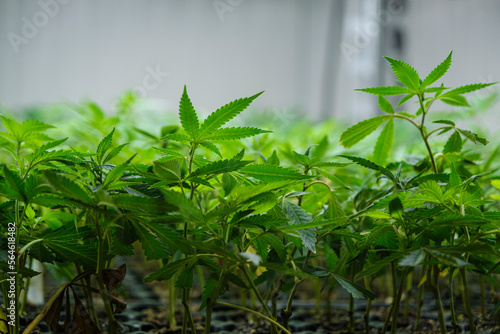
(261, 219)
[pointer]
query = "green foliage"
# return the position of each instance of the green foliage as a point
(231, 209)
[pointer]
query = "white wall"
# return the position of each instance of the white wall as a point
(295, 50)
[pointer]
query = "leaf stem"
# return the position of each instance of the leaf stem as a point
(272, 321)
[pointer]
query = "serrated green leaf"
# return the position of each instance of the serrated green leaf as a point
(454, 100)
(453, 144)
(176, 137)
(377, 215)
(209, 291)
(219, 167)
(70, 250)
(140, 204)
(360, 130)
(187, 115)
(114, 152)
(271, 173)
(404, 99)
(467, 89)
(332, 178)
(396, 208)
(153, 248)
(211, 147)
(298, 216)
(301, 158)
(386, 91)
(449, 258)
(355, 290)
(167, 170)
(14, 182)
(455, 179)
(228, 183)
(385, 105)
(413, 259)
(405, 74)
(473, 137)
(115, 174)
(371, 165)
(224, 114)
(104, 146)
(384, 143)
(234, 133)
(437, 72)
(67, 187)
(273, 159)
(169, 270)
(186, 207)
(445, 121)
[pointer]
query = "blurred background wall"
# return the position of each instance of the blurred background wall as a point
(307, 55)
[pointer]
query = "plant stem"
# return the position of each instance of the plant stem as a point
(397, 302)
(188, 317)
(351, 313)
(452, 301)
(394, 293)
(112, 324)
(254, 289)
(420, 299)
(409, 281)
(466, 300)
(367, 310)
(433, 275)
(272, 321)
(171, 306)
(483, 301)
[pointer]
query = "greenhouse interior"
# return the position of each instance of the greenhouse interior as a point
(237, 166)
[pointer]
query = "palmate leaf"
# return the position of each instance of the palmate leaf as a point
(167, 170)
(104, 146)
(450, 258)
(219, 167)
(116, 173)
(187, 115)
(405, 74)
(413, 259)
(455, 179)
(453, 144)
(188, 209)
(360, 130)
(140, 204)
(224, 114)
(354, 289)
(153, 248)
(234, 133)
(168, 271)
(114, 152)
(14, 182)
(384, 143)
(371, 165)
(437, 72)
(299, 216)
(272, 173)
(71, 251)
(386, 91)
(67, 187)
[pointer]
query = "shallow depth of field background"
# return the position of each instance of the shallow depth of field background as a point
(308, 56)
